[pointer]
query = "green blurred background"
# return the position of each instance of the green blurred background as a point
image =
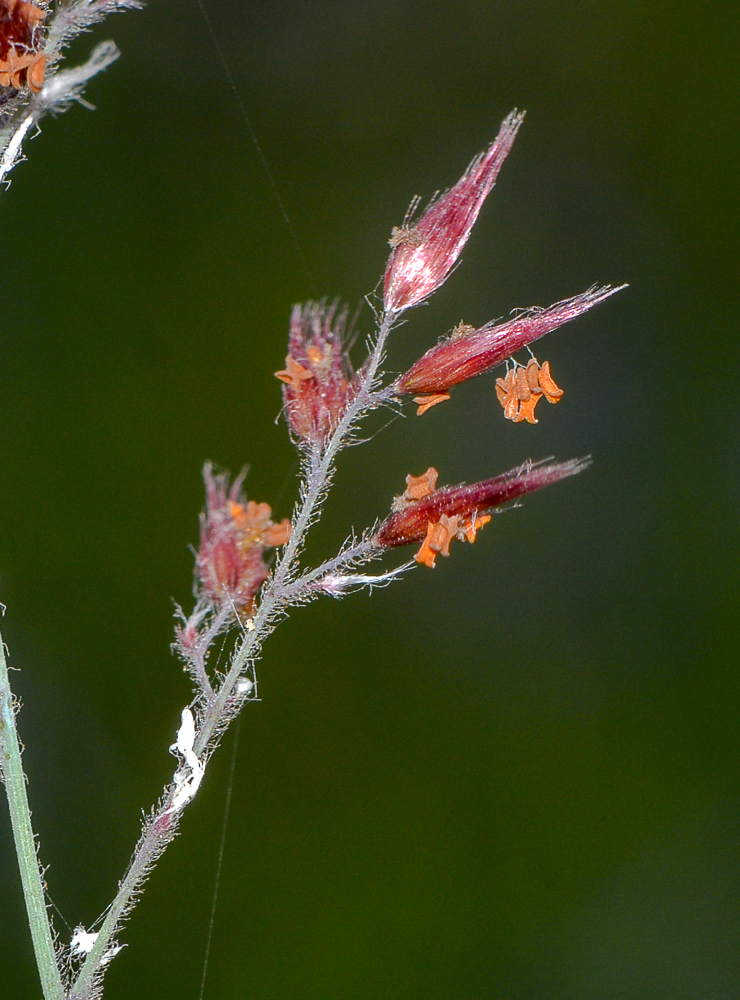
(515, 777)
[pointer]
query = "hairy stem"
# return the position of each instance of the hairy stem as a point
(25, 845)
(356, 555)
(217, 712)
(157, 835)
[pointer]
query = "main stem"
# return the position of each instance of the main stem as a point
(274, 597)
(25, 845)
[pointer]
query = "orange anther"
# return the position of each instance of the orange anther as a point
(418, 487)
(35, 73)
(427, 402)
(426, 555)
(533, 376)
(469, 529)
(526, 410)
(511, 407)
(553, 392)
(437, 541)
(523, 390)
(294, 373)
(277, 534)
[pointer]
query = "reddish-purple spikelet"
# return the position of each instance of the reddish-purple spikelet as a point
(460, 358)
(410, 524)
(424, 252)
(234, 535)
(319, 382)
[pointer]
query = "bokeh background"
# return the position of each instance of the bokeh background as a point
(516, 777)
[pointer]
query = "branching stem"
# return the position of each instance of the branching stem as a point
(359, 553)
(218, 710)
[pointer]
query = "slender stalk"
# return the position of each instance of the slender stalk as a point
(359, 553)
(148, 850)
(201, 676)
(196, 658)
(25, 845)
(160, 830)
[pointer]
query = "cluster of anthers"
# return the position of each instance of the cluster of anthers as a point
(318, 378)
(522, 389)
(439, 533)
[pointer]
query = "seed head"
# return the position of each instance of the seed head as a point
(460, 358)
(318, 377)
(424, 252)
(234, 535)
(460, 507)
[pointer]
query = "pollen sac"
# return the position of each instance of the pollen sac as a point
(424, 252)
(234, 537)
(318, 378)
